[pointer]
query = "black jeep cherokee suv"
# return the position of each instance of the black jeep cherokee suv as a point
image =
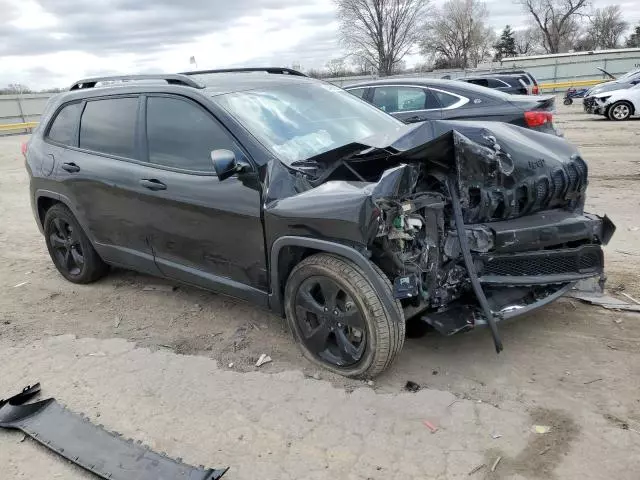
(295, 195)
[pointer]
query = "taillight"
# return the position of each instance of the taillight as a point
(538, 118)
(535, 90)
(23, 149)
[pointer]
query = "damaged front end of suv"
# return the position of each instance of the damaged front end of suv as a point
(472, 224)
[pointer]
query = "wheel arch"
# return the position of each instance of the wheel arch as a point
(45, 199)
(287, 251)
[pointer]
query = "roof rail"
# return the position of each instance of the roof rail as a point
(274, 70)
(170, 78)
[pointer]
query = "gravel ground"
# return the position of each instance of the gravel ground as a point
(571, 366)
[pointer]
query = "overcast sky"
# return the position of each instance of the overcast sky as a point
(51, 43)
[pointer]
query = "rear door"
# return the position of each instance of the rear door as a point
(203, 231)
(97, 174)
(407, 103)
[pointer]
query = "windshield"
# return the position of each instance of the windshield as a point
(300, 121)
(629, 75)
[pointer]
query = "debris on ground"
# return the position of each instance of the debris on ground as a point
(496, 436)
(624, 252)
(544, 450)
(604, 301)
(72, 436)
(231, 365)
(264, 358)
(541, 429)
(592, 381)
(21, 284)
(430, 426)
(477, 469)
(371, 383)
(316, 376)
(495, 464)
(159, 288)
(637, 302)
(98, 354)
(412, 387)
(117, 321)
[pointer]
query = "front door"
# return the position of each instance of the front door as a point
(203, 231)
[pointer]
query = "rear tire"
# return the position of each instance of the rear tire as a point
(321, 322)
(620, 111)
(71, 251)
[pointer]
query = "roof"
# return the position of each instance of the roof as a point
(221, 83)
(433, 82)
(211, 82)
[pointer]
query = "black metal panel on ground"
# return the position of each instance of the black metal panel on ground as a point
(104, 453)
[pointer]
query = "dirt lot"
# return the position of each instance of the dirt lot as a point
(572, 366)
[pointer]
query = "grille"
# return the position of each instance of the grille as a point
(573, 176)
(542, 190)
(559, 182)
(581, 260)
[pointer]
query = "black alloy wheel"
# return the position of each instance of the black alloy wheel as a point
(67, 249)
(70, 249)
(330, 324)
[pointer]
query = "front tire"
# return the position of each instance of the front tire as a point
(69, 248)
(620, 111)
(568, 101)
(338, 320)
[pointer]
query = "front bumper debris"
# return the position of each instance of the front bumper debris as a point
(101, 452)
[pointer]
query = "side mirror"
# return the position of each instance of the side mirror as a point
(635, 82)
(224, 163)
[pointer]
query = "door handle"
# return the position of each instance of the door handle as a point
(70, 167)
(414, 119)
(153, 184)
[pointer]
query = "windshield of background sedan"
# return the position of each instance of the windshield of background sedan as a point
(297, 122)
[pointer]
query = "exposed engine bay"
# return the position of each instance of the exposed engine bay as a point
(472, 224)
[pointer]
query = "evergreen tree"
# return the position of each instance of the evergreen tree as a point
(506, 46)
(634, 39)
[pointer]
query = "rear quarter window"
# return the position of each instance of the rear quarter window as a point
(63, 126)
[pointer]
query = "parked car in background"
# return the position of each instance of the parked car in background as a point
(514, 84)
(616, 105)
(528, 78)
(627, 80)
(418, 99)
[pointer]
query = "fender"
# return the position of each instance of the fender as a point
(350, 253)
(40, 193)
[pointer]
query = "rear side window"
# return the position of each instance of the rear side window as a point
(64, 125)
(446, 100)
(358, 92)
(182, 135)
(399, 99)
(483, 82)
(108, 126)
(493, 83)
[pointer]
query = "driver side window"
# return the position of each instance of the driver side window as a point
(180, 134)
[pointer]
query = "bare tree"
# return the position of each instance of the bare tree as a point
(557, 21)
(381, 31)
(458, 35)
(607, 27)
(335, 67)
(528, 41)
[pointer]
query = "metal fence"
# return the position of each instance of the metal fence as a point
(553, 72)
(19, 113)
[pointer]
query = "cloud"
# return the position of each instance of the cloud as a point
(51, 43)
